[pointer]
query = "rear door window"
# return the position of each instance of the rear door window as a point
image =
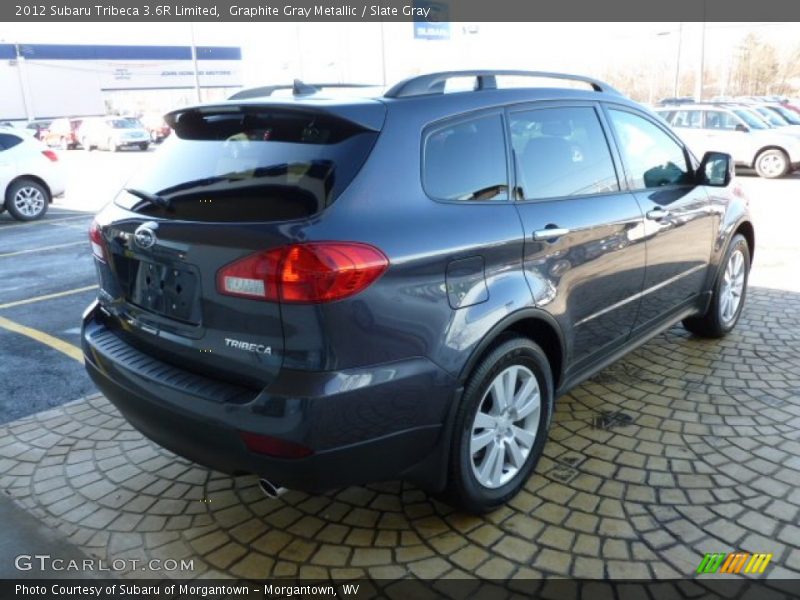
(561, 152)
(466, 160)
(251, 164)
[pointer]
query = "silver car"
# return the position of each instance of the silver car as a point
(772, 152)
(113, 133)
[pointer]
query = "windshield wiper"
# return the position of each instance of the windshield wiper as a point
(151, 198)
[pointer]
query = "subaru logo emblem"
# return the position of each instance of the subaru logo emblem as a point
(145, 235)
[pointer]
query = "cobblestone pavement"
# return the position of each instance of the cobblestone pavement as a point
(685, 447)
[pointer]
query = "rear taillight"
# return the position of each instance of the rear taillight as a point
(304, 273)
(51, 155)
(97, 241)
(271, 446)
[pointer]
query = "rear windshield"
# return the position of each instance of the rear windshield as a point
(251, 163)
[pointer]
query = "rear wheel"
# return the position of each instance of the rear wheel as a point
(143, 147)
(772, 163)
(729, 293)
(501, 426)
(27, 200)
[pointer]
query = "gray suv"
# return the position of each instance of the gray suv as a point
(326, 290)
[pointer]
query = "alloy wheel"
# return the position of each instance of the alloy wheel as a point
(29, 201)
(505, 425)
(730, 293)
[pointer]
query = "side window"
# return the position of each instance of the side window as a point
(561, 152)
(8, 141)
(653, 159)
(717, 119)
(466, 161)
(688, 118)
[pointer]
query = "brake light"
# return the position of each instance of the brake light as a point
(51, 155)
(304, 273)
(264, 444)
(97, 241)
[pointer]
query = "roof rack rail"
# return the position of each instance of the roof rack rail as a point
(299, 88)
(434, 83)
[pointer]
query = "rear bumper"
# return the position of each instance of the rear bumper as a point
(364, 425)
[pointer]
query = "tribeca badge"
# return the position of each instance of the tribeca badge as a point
(733, 563)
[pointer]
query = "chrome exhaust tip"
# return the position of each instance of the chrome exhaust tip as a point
(270, 490)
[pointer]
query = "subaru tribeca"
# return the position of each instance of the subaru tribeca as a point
(326, 290)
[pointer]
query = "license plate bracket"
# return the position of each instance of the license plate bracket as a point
(166, 290)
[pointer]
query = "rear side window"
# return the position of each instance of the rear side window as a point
(8, 141)
(561, 152)
(251, 164)
(466, 161)
(652, 157)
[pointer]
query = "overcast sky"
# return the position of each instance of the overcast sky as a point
(355, 51)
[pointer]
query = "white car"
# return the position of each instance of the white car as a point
(30, 175)
(113, 133)
(772, 152)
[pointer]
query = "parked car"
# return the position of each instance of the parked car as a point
(734, 129)
(156, 126)
(113, 133)
(30, 175)
(63, 133)
(39, 128)
(788, 115)
(327, 292)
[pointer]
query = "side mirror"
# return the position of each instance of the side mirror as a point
(716, 169)
(742, 128)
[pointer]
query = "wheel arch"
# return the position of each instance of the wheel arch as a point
(764, 149)
(746, 229)
(533, 323)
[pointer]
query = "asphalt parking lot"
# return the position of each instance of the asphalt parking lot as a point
(684, 447)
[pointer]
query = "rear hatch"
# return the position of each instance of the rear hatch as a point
(232, 181)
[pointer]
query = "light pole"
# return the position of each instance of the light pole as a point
(678, 61)
(194, 62)
(698, 90)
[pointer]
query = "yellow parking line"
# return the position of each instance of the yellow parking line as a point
(48, 296)
(47, 221)
(44, 338)
(43, 248)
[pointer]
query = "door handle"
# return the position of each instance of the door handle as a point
(657, 214)
(549, 233)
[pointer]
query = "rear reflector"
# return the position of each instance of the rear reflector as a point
(264, 444)
(51, 155)
(304, 273)
(97, 241)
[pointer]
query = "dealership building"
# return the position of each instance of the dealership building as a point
(45, 81)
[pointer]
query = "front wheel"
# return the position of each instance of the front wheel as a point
(501, 426)
(772, 163)
(729, 293)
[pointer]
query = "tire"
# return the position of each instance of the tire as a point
(27, 200)
(721, 317)
(772, 163)
(144, 147)
(477, 482)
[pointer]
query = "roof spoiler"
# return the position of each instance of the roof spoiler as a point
(299, 88)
